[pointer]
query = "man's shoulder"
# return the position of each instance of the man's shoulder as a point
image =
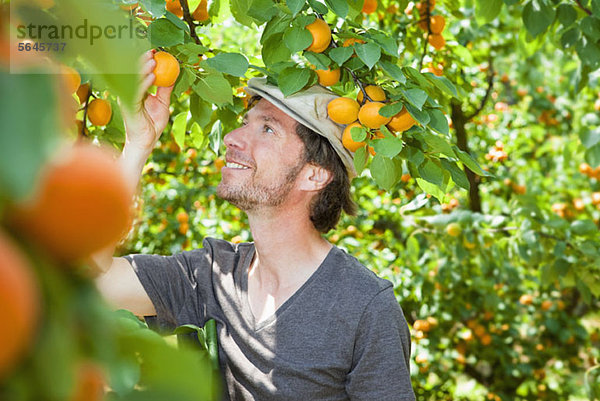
(351, 275)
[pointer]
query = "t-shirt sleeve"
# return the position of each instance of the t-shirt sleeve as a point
(177, 285)
(380, 365)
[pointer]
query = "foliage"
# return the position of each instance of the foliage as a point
(507, 112)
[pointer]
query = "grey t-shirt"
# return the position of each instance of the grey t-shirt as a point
(341, 336)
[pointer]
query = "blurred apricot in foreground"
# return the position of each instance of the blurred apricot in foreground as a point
(81, 206)
(19, 304)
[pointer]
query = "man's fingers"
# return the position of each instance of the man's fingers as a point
(148, 66)
(163, 94)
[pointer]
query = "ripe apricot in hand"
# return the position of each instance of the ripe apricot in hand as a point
(166, 70)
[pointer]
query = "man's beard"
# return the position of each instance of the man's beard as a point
(250, 196)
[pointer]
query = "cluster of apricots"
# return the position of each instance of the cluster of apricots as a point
(589, 171)
(432, 24)
(200, 13)
(363, 114)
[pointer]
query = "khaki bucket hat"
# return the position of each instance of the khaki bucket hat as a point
(309, 108)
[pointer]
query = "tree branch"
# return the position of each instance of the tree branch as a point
(578, 2)
(488, 92)
(187, 17)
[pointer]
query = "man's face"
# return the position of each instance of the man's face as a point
(264, 157)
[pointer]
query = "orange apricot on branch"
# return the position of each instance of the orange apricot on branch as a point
(343, 110)
(321, 34)
(347, 140)
(401, 121)
(166, 70)
(174, 6)
(374, 92)
(328, 77)
(369, 6)
(99, 112)
(19, 304)
(437, 41)
(369, 116)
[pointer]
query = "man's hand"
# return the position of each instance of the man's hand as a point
(148, 117)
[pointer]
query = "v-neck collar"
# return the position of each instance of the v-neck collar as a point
(247, 312)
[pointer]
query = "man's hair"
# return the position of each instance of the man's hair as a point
(326, 207)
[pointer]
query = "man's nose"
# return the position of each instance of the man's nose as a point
(235, 138)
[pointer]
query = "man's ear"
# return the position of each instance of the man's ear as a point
(315, 177)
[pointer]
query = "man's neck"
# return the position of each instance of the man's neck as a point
(288, 247)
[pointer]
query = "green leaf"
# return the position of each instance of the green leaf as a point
(214, 88)
(438, 121)
(592, 155)
(383, 170)
(156, 8)
(292, 79)
(234, 64)
(26, 143)
(471, 163)
(570, 38)
(438, 144)
(183, 83)
(415, 96)
(277, 24)
(422, 117)
(487, 10)
(432, 172)
(201, 110)
(388, 44)
(295, 6)
(390, 110)
(197, 137)
(588, 52)
(215, 137)
(319, 60)
(368, 53)
(566, 14)
(443, 84)
(273, 52)
(458, 175)
(163, 32)
(358, 134)
(178, 129)
(239, 9)
(297, 39)
(262, 10)
(318, 6)
(360, 160)
(537, 16)
(589, 137)
(388, 147)
(590, 27)
(393, 71)
(431, 189)
(341, 54)
(584, 227)
(340, 7)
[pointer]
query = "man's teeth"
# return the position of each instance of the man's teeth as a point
(235, 165)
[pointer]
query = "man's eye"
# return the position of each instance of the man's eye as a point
(268, 129)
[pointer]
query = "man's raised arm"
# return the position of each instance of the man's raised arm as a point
(144, 122)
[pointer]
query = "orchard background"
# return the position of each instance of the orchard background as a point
(484, 214)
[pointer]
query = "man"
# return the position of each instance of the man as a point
(297, 318)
